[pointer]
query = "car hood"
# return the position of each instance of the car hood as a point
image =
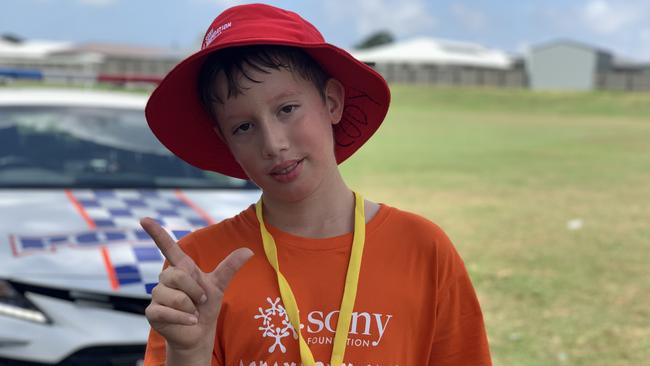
(91, 240)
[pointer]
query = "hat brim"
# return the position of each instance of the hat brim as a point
(177, 118)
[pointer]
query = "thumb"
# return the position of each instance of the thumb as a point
(226, 270)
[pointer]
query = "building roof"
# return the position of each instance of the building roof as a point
(30, 49)
(71, 98)
(436, 51)
(570, 43)
(125, 50)
(12, 47)
(617, 60)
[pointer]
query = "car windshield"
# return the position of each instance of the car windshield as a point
(91, 147)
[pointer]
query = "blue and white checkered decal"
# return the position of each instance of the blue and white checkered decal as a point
(86, 239)
(124, 208)
(131, 257)
(131, 264)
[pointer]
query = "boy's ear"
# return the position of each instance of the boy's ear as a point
(334, 99)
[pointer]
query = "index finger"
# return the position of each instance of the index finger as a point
(163, 241)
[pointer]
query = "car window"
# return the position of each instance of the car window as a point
(91, 147)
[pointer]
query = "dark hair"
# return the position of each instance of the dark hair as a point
(232, 62)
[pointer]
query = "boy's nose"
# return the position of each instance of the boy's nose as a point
(274, 140)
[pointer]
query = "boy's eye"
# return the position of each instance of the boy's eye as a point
(242, 128)
(288, 108)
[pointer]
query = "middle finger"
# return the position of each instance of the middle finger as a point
(179, 279)
(173, 298)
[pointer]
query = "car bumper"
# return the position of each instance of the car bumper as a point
(78, 334)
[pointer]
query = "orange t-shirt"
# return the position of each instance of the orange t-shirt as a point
(415, 302)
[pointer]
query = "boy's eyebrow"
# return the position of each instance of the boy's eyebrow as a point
(273, 99)
(285, 94)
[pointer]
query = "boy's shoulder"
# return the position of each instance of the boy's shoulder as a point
(409, 222)
(416, 232)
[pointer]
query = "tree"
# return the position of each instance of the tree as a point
(376, 39)
(11, 38)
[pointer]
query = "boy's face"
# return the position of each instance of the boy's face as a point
(280, 131)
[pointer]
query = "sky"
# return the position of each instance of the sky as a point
(622, 27)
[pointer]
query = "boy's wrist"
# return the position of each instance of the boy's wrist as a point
(199, 355)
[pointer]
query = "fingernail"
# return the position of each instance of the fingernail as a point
(203, 299)
(193, 319)
(196, 313)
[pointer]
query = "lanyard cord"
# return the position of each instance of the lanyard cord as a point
(349, 292)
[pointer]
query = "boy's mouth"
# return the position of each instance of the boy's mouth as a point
(286, 167)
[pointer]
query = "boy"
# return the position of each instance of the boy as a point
(315, 275)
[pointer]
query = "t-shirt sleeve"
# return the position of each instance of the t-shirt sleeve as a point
(155, 352)
(460, 337)
(459, 334)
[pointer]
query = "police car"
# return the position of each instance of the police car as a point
(77, 171)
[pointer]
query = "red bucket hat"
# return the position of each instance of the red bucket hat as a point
(178, 119)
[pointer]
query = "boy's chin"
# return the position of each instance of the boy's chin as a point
(288, 193)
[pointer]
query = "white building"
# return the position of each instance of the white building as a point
(440, 61)
(570, 65)
(43, 55)
(67, 61)
(432, 51)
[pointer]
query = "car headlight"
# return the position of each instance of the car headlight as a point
(16, 305)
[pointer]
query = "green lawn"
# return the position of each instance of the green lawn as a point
(503, 172)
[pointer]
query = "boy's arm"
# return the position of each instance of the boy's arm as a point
(156, 352)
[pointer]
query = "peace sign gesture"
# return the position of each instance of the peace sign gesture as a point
(186, 302)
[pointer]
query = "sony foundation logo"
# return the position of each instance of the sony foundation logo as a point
(366, 329)
(275, 324)
(214, 33)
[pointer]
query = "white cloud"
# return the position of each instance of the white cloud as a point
(620, 27)
(607, 17)
(402, 18)
(470, 18)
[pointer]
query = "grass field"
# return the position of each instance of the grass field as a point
(503, 172)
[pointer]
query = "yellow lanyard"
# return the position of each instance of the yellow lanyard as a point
(349, 292)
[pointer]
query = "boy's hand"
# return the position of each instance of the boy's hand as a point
(186, 302)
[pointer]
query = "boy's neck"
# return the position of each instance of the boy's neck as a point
(327, 212)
